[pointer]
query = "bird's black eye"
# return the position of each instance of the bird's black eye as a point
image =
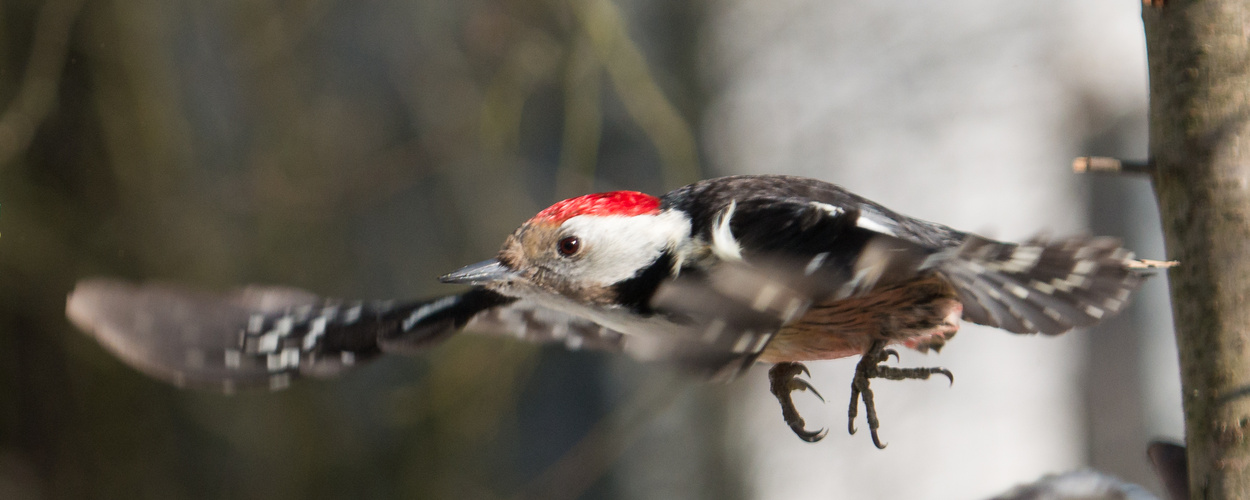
(569, 246)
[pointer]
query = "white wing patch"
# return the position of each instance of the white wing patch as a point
(814, 264)
(832, 210)
(723, 243)
(866, 221)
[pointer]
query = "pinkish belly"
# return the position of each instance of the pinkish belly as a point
(921, 315)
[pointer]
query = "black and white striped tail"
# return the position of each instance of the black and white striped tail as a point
(1042, 286)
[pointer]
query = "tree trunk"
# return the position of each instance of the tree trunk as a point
(1199, 53)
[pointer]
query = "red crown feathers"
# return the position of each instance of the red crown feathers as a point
(627, 203)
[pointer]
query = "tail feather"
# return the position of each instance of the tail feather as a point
(1042, 286)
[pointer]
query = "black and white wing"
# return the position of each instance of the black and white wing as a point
(830, 243)
(786, 202)
(268, 335)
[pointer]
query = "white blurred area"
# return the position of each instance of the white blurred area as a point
(967, 113)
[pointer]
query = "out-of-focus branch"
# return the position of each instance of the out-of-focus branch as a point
(583, 120)
(1199, 59)
(41, 81)
(638, 90)
(530, 62)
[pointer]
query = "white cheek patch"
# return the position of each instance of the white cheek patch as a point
(616, 247)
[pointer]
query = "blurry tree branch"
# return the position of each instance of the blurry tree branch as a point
(583, 120)
(668, 131)
(1199, 58)
(41, 81)
(599, 43)
(530, 62)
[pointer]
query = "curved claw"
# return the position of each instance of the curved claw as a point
(850, 427)
(799, 384)
(784, 380)
(889, 352)
(949, 375)
(876, 441)
(805, 372)
(809, 436)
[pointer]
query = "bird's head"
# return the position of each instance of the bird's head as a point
(585, 248)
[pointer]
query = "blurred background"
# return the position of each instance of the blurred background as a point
(360, 149)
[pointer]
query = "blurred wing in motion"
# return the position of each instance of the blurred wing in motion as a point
(733, 310)
(724, 318)
(266, 335)
(523, 320)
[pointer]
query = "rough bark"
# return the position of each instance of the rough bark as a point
(1199, 53)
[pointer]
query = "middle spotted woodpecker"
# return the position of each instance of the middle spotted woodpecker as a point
(715, 276)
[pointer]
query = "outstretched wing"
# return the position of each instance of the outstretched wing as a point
(267, 335)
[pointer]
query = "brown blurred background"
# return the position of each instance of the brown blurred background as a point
(360, 149)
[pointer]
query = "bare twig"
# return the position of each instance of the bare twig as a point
(41, 82)
(1105, 165)
(1152, 264)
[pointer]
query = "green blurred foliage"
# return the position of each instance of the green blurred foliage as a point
(357, 149)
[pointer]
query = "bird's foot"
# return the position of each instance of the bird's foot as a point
(784, 379)
(869, 367)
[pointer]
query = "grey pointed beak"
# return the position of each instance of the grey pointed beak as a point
(482, 273)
